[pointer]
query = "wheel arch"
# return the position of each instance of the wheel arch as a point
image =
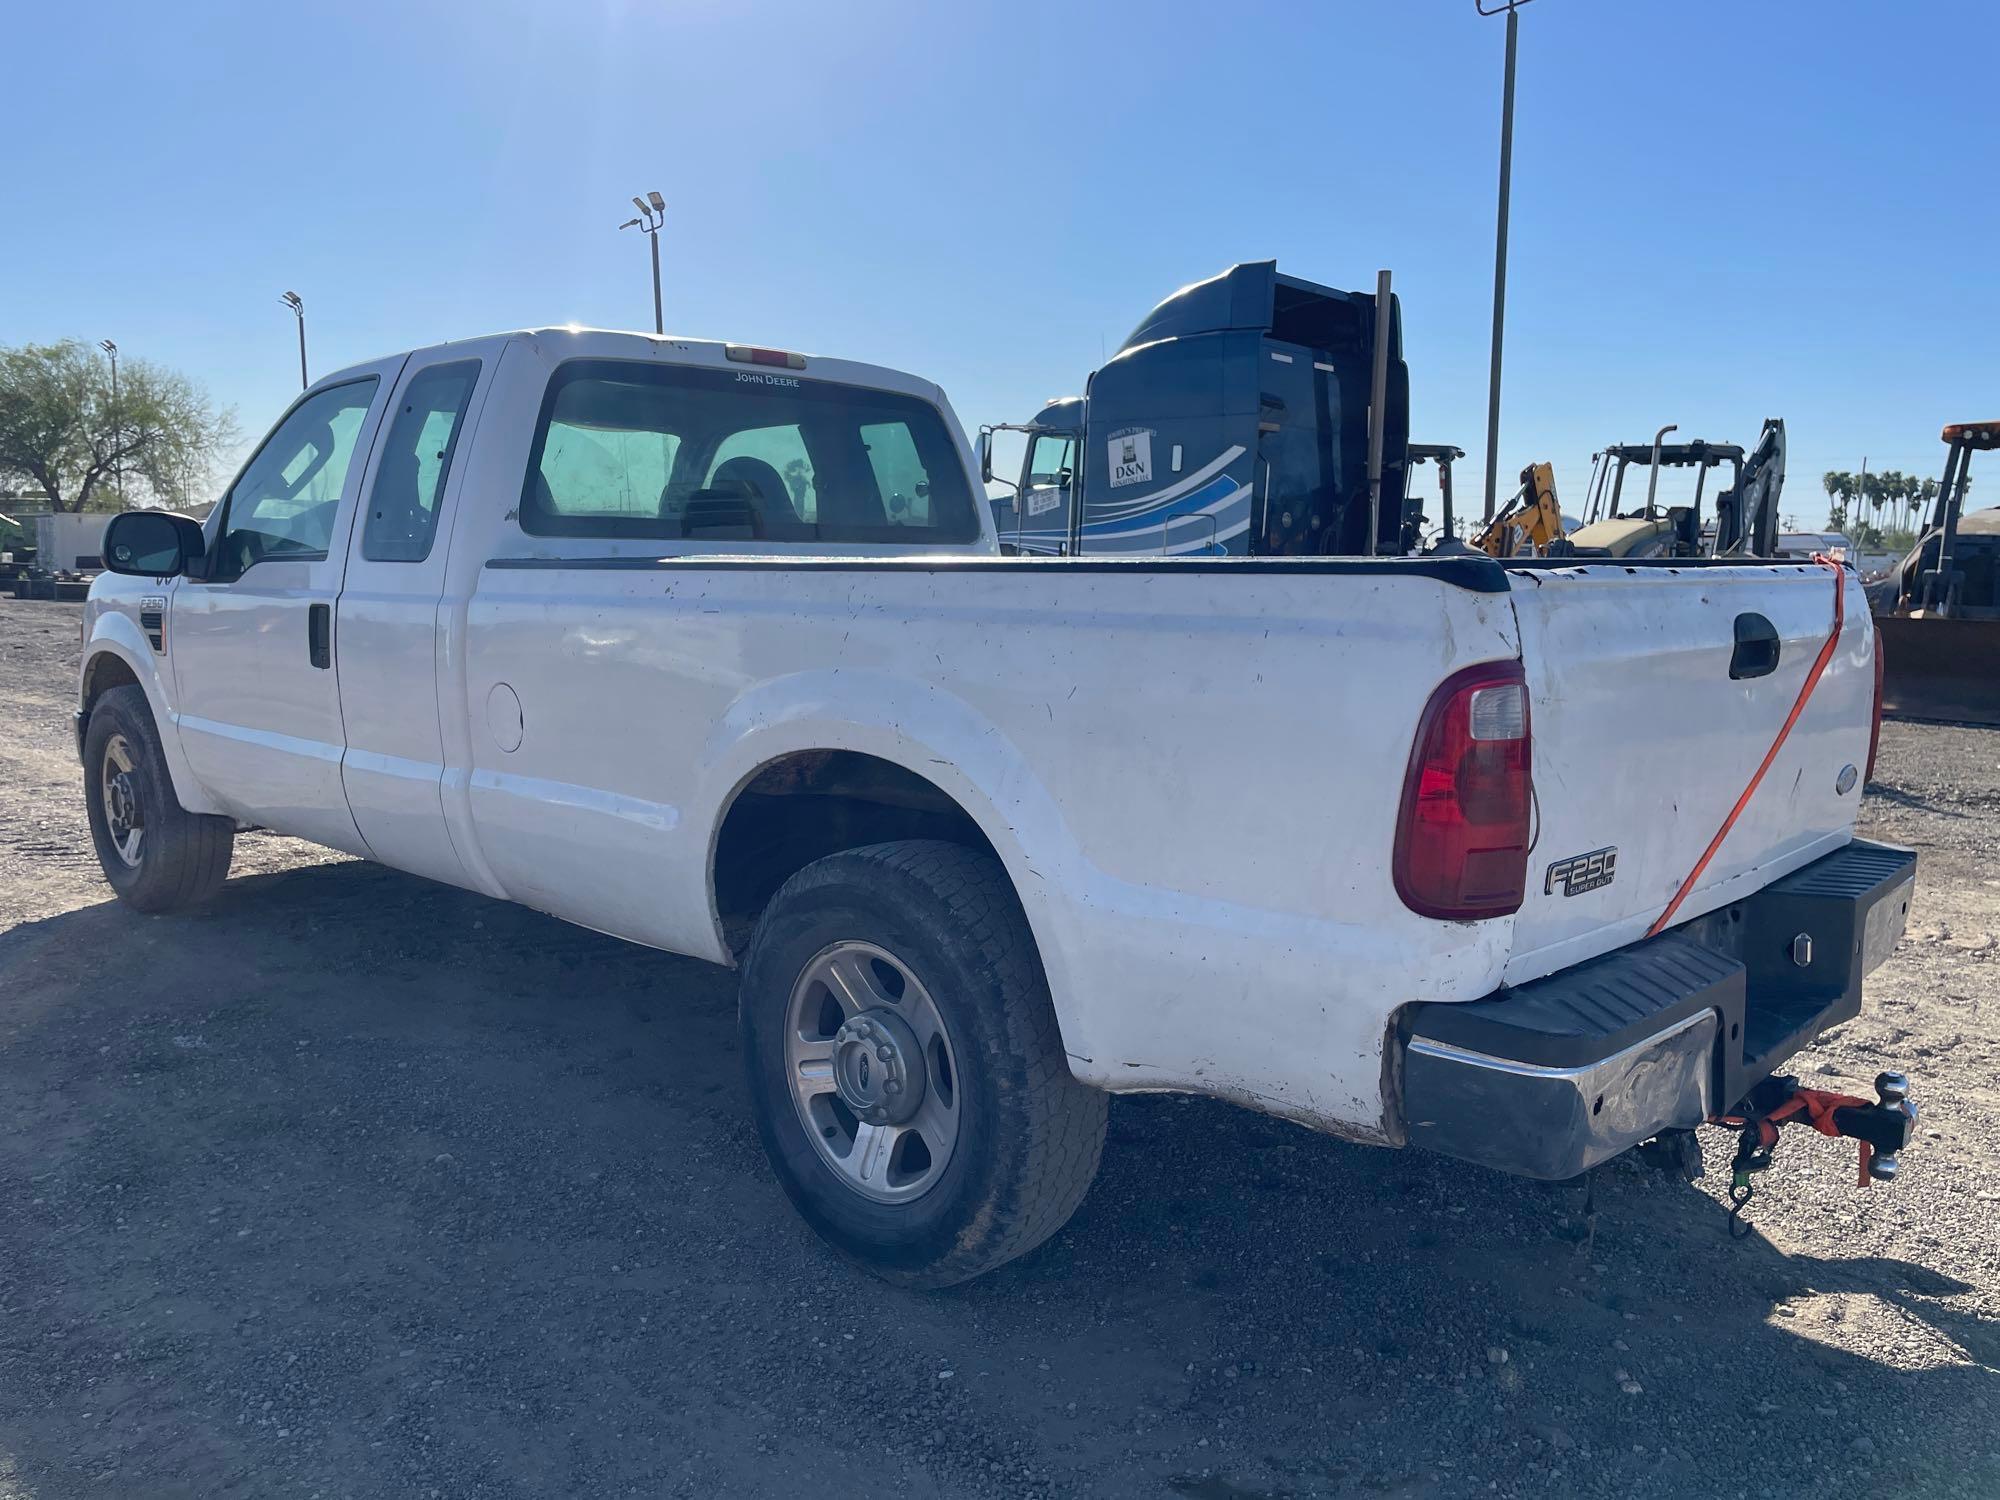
(904, 763)
(806, 804)
(117, 655)
(104, 670)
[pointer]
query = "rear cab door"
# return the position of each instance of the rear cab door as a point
(252, 639)
(388, 637)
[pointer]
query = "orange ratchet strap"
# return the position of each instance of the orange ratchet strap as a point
(1805, 692)
(1817, 1105)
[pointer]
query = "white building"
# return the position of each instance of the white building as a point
(70, 542)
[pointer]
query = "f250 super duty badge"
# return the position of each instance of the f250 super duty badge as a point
(1582, 872)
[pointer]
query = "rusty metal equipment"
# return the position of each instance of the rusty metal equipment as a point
(1938, 613)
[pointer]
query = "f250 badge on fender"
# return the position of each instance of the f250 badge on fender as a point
(1582, 872)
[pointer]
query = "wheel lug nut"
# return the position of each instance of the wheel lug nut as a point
(885, 1052)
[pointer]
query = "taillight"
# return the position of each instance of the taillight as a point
(1875, 725)
(1462, 834)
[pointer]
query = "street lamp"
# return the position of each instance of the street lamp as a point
(298, 306)
(652, 216)
(1500, 245)
(117, 424)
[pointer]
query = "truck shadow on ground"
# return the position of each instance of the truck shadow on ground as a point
(1917, 802)
(362, 1182)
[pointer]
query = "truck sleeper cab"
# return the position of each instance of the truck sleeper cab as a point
(1231, 422)
(711, 648)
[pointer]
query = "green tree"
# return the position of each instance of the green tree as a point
(1889, 498)
(1841, 493)
(1856, 509)
(61, 432)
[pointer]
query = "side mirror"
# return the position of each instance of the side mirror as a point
(152, 543)
(986, 455)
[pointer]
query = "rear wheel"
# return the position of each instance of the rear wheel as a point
(905, 1067)
(158, 856)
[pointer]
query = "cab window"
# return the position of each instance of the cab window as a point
(1052, 461)
(416, 462)
(900, 476)
(284, 505)
(626, 449)
(603, 456)
(782, 451)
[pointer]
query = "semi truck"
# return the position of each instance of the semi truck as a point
(1232, 421)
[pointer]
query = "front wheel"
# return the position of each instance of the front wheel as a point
(158, 856)
(904, 1064)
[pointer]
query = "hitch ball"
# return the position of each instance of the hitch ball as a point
(1893, 1089)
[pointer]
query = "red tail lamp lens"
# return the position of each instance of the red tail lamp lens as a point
(1462, 835)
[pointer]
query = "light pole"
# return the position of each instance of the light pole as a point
(652, 216)
(1500, 246)
(298, 306)
(117, 424)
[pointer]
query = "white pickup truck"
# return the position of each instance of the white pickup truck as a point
(712, 648)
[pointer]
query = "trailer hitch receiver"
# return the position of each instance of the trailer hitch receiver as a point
(1881, 1129)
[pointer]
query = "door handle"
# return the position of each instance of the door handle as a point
(1757, 647)
(319, 635)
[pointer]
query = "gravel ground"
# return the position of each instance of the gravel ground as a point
(361, 1186)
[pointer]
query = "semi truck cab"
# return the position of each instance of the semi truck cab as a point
(1232, 421)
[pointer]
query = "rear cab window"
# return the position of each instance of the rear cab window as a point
(416, 462)
(631, 449)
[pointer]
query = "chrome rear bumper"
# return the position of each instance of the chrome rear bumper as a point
(1548, 1079)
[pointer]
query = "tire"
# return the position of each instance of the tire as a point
(179, 858)
(1028, 1136)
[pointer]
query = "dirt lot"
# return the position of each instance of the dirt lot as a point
(360, 1186)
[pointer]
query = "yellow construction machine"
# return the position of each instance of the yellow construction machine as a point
(1530, 524)
(1746, 512)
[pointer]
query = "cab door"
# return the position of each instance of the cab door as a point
(386, 621)
(1049, 479)
(252, 640)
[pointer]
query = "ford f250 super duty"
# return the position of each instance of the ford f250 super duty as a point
(712, 648)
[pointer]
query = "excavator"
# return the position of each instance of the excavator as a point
(1530, 524)
(1938, 612)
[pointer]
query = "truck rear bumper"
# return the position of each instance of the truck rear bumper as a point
(1550, 1078)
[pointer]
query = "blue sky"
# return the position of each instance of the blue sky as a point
(1723, 209)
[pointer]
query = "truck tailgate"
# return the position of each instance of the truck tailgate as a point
(1643, 741)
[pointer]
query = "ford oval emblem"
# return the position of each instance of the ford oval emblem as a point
(1844, 782)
